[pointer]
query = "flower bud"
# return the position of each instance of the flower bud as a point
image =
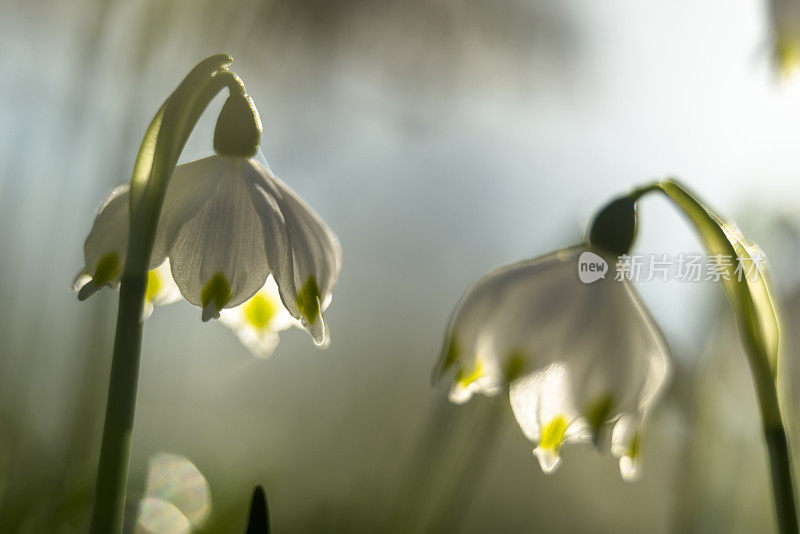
(238, 130)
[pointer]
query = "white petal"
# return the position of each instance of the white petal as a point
(485, 378)
(549, 459)
(543, 406)
(621, 354)
(258, 320)
(223, 241)
(107, 245)
(629, 469)
(539, 397)
(626, 445)
(512, 312)
(303, 253)
(108, 240)
(459, 394)
(190, 188)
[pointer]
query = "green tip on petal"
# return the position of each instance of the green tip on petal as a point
(216, 293)
(515, 365)
(107, 269)
(307, 300)
(449, 357)
(634, 446)
(597, 413)
(614, 227)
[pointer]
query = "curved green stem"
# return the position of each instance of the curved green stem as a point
(157, 158)
(757, 322)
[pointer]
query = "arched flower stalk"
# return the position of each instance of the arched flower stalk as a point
(223, 232)
(576, 357)
(757, 320)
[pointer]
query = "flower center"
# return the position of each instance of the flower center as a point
(259, 311)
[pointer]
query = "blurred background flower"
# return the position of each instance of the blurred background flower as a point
(391, 118)
(176, 497)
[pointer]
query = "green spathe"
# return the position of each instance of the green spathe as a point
(238, 130)
(614, 227)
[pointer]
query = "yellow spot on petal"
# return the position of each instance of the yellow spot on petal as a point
(553, 433)
(154, 285)
(107, 269)
(465, 380)
(307, 300)
(259, 311)
(787, 52)
(216, 290)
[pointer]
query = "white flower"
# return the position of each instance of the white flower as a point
(227, 223)
(587, 353)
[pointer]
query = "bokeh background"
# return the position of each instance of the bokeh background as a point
(439, 139)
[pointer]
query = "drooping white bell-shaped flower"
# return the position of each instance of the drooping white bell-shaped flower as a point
(227, 223)
(587, 352)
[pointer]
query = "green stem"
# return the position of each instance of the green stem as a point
(158, 156)
(780, 464)
(112, 472)
(757, 322)
(782, 486)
